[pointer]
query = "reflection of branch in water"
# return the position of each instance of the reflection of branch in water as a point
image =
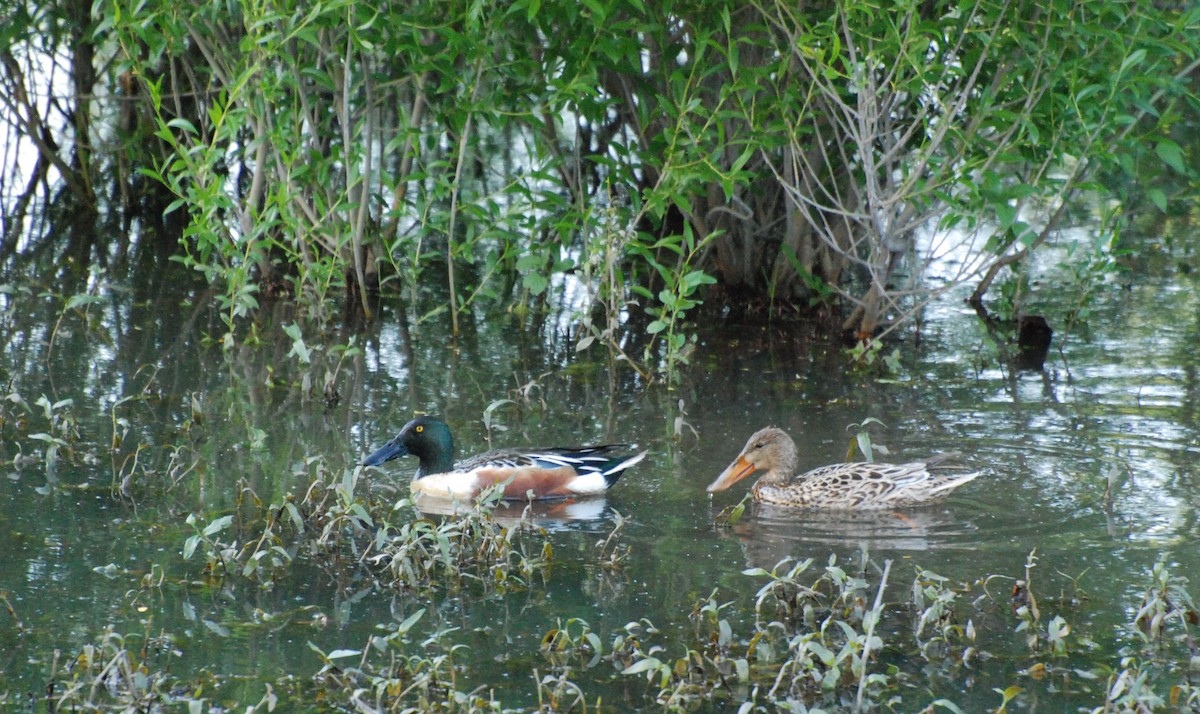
(1116, 473)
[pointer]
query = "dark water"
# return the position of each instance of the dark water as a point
(201, 428)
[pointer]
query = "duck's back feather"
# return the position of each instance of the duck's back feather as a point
(867, 485)
(531, 474)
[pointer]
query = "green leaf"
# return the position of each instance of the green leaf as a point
(536, 283)
(738, 511)
(78, 300)
(1006, 213)
(1158, 198)
(1171, 155)
(294, 514)
(189, 546)
(1135, 58)
(299, 349)
(410, 621)
(822, 652)
(1026, 235)
(183, 125)
(217, 628)
(1087, 92)
(695, 279)
(864, 445)
(642, 665)
(218, 525)
(530, 262)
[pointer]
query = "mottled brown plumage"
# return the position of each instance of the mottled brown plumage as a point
(838, 486)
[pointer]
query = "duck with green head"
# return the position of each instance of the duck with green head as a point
(527, 474)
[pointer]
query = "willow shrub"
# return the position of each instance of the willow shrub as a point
(492, 151)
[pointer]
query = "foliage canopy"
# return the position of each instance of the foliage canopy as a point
(763, 156)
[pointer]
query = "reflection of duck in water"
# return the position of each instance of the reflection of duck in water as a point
(770, 533)
(585, 514)
(524, 474)
(838, 486)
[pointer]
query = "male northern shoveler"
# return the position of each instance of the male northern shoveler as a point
(838, 486)
(527, 474)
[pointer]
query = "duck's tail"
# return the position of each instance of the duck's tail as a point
(946, 479)
(613, 469)
(939, 459)
(952, 482)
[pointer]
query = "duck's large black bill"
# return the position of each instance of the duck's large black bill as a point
(391, 450)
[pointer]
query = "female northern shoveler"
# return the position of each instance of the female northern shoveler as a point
(838, 486)
(527, 474)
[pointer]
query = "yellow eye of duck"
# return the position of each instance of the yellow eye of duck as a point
(420, 429)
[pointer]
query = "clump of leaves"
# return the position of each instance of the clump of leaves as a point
(260, 541)
(683, 683)
(385, 676)
(572, 642)
(337, 529)
(1165, 600)
(472, 547)
(117, 672)
(53, 423)
(820, 647)
(936, 627)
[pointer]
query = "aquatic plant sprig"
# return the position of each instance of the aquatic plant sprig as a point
(572, 641)
(1029, 612)
(936, 627)
(612, 552)
(337, 529)
(118, 672)
(557, 693)
(790, 600)
(1164, 601)
(730, 515)
(260, 541)
(58, 424)
(1025, 605)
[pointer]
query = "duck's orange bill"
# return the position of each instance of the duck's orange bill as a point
(733, 473)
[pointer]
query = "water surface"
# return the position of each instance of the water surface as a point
(155, 421)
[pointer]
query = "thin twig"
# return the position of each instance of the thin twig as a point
(876, 613)
(454, 193)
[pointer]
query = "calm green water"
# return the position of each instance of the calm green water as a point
(200, 428)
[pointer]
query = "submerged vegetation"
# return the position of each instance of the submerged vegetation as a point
(623, 162)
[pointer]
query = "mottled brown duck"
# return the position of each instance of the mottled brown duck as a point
(857, 486)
